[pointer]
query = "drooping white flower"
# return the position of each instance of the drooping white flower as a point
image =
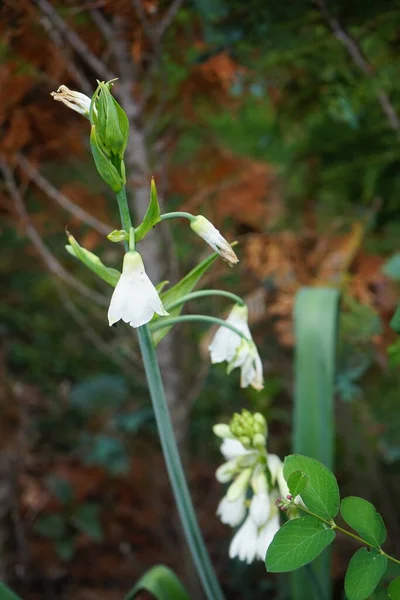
(232, 449)
(226, 342)
(206, 230)
(249, 361)
(245, 542)
(227, 471)
(223, 431)
(240, 485)
(232, 512)
(75, 100)
(135, 299)
(267, 532)
(260, 508)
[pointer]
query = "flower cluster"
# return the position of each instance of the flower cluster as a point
(228, 346)
(256, 483)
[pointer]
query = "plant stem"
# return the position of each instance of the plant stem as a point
(174, 467)
(124, 212)
(201, 294)
(333, 525)
(166, 322)
(173, 215)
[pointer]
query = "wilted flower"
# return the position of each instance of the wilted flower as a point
(75, 100)
(210, 234)
(135, 299)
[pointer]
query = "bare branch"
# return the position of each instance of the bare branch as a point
(60, 198)
(168, 17)
(75, 41)
(356, 54)
(52, 263)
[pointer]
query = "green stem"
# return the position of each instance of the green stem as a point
(166, 322)
(333, 525)
(174, 467)
(173, 215)
(201, 294)
(124, 212)
(132, 238)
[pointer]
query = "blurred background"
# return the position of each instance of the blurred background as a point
(278, 121)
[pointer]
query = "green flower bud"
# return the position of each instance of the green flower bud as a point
(223, 431)
(259, 441)
(261, 423)
(246, 441)
(105, 166)
(118, 235)
(111, 122)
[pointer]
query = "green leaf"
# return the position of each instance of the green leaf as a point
(65, 548)
(364, 572)
(297, 482)
(93, 262)
(394, 589)
(6, 593)
(51, 526)
(297, 543)
(391, 268)
(86, 519)
(362, 516)
(395, 322)
(162, 583)
(152, 214)
(321, 494)
(61, 488)
(183, 287)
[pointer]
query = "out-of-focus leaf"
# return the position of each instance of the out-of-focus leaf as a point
(92, 262)
(86, 519)
(395, 322)
(51, 526)
(182, 288)
(61, 488)
(104, 450)
(65, 548)
(162, 583)
(391, 268)
(394, 589)
(100, 392)
(7, 594)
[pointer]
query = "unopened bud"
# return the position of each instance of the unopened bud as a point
(223, 431)
(239, 486)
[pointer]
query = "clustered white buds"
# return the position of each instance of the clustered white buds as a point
(228, 346)
(135, 299)
(249, 467)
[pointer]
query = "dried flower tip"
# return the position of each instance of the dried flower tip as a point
(75, 100)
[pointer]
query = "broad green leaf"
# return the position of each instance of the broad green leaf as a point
(183, 287)
(364, 572)
(297, 482)
(162, 583)
(93, 262)
(152, 214)
(362, 516)
(7, 594)
(321, 494)
(394, 589)
(297, 543)
(86, 519)
(51, 526)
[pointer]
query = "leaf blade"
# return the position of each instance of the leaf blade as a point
(363, 517)
(152, 215)
(162, 583)
(365, 570)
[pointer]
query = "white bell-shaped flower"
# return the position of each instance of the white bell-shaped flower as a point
(206, 230)
(135, 299)
(233, 449)
(75, 100)
(267, 532)
(232, 513)
(249, 361)
(226, 342)
(245, 542)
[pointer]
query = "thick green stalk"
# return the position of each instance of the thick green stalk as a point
(124, 210)
(174, 467)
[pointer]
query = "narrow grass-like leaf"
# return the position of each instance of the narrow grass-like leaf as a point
(394, 589)
(321, 493)
(297, 543)
(365, 570)
(183, 287)
(315, 324)
(362, 516)
(7, 594)
(160, 582)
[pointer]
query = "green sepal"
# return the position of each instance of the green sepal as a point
(160, 582)
(118, 235)
(93, 262)
(182, 288)
(105, 167)
(152, 215)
